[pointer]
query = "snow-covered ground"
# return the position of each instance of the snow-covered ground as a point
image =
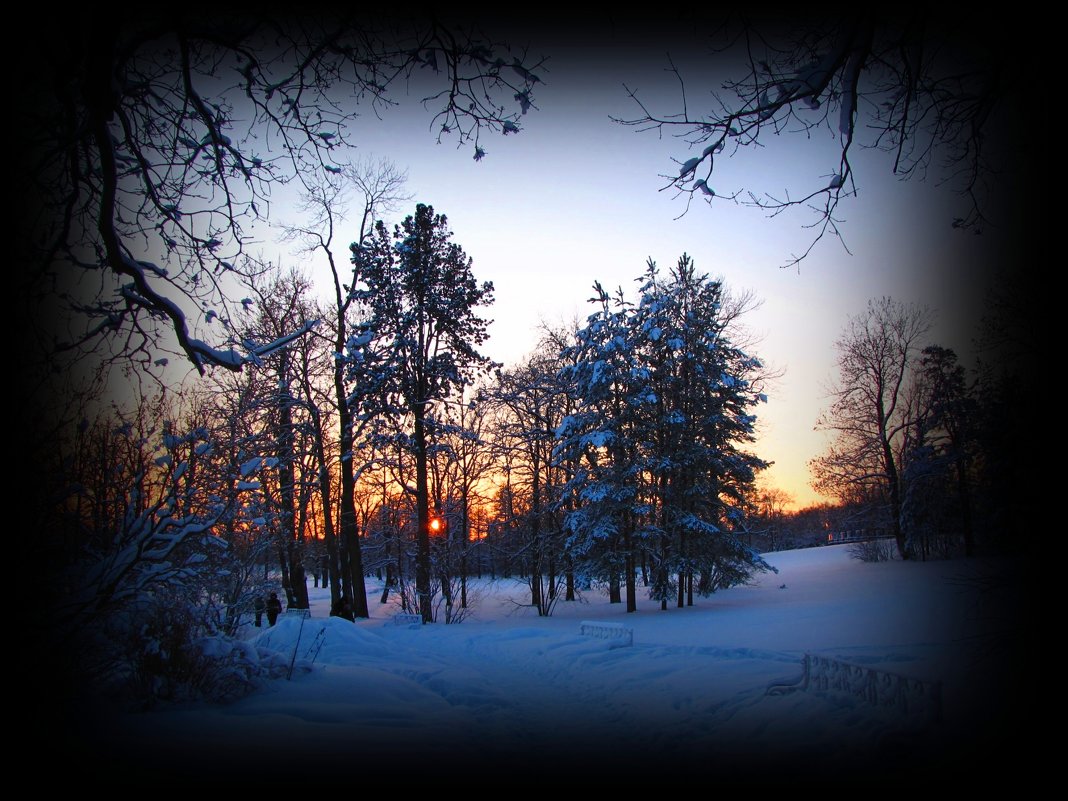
(509, 692)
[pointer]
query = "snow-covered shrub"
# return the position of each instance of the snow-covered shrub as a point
(160, 649)
(233, 668)
(165, 550)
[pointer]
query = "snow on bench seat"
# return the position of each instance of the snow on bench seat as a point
(411, 621)
(620, 636)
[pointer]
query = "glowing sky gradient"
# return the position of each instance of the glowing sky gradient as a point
(575, 198)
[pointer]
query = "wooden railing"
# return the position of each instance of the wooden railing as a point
(878, 688)
(618, 635)
(858, 535)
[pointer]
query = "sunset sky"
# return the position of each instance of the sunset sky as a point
(161, 493)
(576, 198)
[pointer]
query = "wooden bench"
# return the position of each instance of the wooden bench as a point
(405, 619)
(618, 635)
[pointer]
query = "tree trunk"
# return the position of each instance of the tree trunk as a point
(422, 514)
(283, 564)
(297, 586)
(682, 573)
(964, 496)
(552, 577)
(893, 483)
(535, 563)
(463, 580)
(535, 536)
(297, 577)
(614, 596)
(354, 589)
(632, 592)
(446, 593)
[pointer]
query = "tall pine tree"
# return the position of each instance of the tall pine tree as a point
(419, 343)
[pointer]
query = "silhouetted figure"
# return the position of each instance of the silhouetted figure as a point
(274, 609)
(260, 607)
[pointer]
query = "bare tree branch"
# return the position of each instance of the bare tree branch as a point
(931, 95)
(155, 144)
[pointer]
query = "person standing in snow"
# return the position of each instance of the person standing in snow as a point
(260, 607)
(274, 609)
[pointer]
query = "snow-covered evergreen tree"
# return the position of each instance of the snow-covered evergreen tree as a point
(665, 413)
(704, 391)
(419, 343)
(598, 439)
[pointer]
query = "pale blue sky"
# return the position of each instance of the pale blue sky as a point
(574, 198)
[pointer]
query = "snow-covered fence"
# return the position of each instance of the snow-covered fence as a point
(879, 688)
(620, 636)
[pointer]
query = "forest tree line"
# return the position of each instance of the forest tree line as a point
(615, 453)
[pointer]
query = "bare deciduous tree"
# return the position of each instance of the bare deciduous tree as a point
(531, 402)
(874, 406)
(374, 188)
(154, 143)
